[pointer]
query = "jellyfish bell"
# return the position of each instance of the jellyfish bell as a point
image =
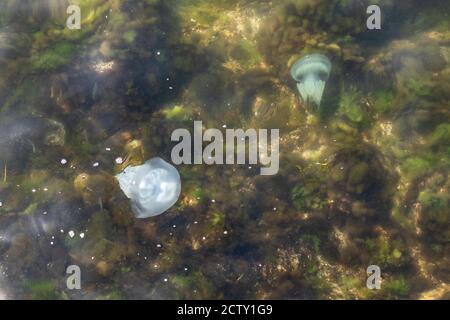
(152, 188)
(311, 74)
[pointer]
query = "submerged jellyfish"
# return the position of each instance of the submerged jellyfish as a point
(153, 187)
(311, 73)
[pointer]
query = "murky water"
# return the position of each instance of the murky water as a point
(363, 179)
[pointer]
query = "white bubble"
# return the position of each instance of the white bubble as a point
(63, 161)
(119, 160)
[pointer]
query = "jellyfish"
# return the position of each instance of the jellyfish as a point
(311, 73)
(152, 188)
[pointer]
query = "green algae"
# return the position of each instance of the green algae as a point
(217, 219)
(114, 294)
(384, 252)
(440, 136)
(419, 87)
(350, 106)
(308, 197)
(384, 101)
(396, 288)
(313, 240)
(178, 112)
(44, 290)
(436, 206)
(193, 286)
(247, 54)
(205, 12)
(416, 167)
(358, 174)
(26, 88)
(130, 36)
(53, 58)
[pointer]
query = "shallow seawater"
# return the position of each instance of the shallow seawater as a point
(363, 180)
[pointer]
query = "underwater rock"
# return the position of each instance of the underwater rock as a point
(357, 176)
(432, 205)
(153, 187)
(109, 248)
(361, 181)
(103, 120)
(12, 45)
(96, 189)
(311, 73)
(20, 136)
(206, 89)
(433, 59)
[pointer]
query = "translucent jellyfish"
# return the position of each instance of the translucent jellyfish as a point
(152, 188)
(311, 73)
